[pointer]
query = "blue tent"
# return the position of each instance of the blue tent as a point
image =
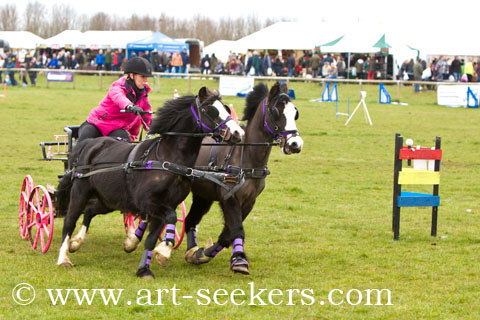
(157, 41)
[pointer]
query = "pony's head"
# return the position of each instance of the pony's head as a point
(216, 116)
(279, 116)
(206, 111)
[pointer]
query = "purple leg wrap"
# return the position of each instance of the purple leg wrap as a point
(213, 250)
(195, 237)
(170, 233)
(146, 258)
(217, 249)
(239, 261)
(237, 246)
(140, 230)
(149, 258)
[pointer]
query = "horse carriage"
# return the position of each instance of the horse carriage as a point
(36, 207)
(155, 176)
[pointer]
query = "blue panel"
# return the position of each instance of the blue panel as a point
(412, 199)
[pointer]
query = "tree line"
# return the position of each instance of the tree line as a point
(48, 21)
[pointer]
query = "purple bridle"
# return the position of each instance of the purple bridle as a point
(277, 134)
(202, 126)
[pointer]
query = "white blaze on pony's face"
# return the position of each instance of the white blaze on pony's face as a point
(293, 142)
(234, 128)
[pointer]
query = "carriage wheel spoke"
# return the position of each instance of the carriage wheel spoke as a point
(43, 203)
(37, 235)
(42, 239)
(45, 229)
(33, 207)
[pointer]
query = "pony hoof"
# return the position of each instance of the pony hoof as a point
(200, 258)
(74, 246)
(163, 252)
(239, 265)
(129, 245)
(67, 264)
(145, 273)
(190, 255)
(163, 261)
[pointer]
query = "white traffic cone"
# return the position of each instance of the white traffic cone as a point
(175, 94)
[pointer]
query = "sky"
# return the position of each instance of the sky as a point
(427, 14)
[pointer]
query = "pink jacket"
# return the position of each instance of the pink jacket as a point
(107, 116)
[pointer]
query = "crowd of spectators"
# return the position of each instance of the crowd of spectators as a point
(317, 65)
(308, 64)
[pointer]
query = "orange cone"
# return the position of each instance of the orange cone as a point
(233, 113)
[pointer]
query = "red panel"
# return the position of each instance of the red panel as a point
(422, 153)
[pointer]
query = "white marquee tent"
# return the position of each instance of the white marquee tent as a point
(359, 37)
(20, 39)
(289, 36)
(66, 38)
(221, 48)
(93, 39)
(112, 39)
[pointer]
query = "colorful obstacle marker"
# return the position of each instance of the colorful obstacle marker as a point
(363, 95)
(383, 95)
(426, 170)
(472, 100)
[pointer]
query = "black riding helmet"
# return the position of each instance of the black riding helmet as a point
(139, 65)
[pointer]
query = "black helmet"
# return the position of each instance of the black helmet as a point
(139, 65)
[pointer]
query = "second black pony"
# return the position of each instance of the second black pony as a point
(150, 179)
(271, 117)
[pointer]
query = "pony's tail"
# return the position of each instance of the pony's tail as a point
(62, 195)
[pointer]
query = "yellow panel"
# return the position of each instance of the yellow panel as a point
(414, 176)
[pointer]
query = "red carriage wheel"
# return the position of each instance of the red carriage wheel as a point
(27, 187)
(178, 236)
(40, 218)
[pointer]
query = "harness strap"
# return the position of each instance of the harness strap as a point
(249, 173)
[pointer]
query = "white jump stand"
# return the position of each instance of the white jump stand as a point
(363, 95)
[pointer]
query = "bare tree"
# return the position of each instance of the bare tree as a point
(63, 17)
(167, 25)
(225, 29)
(8, 17)
(34, 18)
(141, 23)
(253, 24)
(204, 28)
(83, 22)
(100, 21)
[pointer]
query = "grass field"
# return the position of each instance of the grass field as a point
(323, 222)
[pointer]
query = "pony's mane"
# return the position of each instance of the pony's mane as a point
(173, 111)
(260, 92)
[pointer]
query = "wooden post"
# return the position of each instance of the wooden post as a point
(398, 90)
(435, 191)
(397, 189)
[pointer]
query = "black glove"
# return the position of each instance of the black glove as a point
(134, 109)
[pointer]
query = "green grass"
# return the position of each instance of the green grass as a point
(322, 223)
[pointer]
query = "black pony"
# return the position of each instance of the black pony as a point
(271, 117)
(150, 179)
